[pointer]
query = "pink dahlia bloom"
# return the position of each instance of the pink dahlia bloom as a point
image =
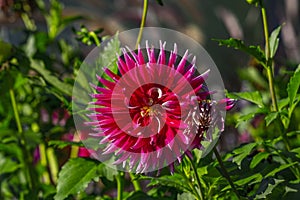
(154, 110)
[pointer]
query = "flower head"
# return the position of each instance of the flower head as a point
(155, 109)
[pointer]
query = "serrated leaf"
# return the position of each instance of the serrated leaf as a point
(254, 51)
(268, 190)
(108, 56)
(254, 97)
(271, 117)
(258, 158)
(293, 86)
(242, 152)
(274, 41)
(75, 176)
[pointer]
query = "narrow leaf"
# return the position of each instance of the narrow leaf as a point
(258, 158)
(242, 152)
(293, 86)
(278, 169)
(274, 41)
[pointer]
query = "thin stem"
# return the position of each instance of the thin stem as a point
(29, 172)
(136, 184)
(269, 65)
(225, 173)
(145, 9)
(197, 177)
(120, 185)
(268, 57)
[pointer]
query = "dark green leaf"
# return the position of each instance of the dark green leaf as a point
(139, 195)
(274, 41)
(254, 51)
(160, 2)
(6, 51)
(271, 117)
(293, 86)
(254, 97)
(258, 158)
(75, 176)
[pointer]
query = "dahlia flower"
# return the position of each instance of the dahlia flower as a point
(154, 110)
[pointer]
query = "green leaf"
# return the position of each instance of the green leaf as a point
(254, 51)
(75, 176)
(62, 144)
(108, 57)
(175, 181)
(254, 97)
(268, 190)
(258, 158)
(274, 41)
(293, 86)
(271, 117)
(139, 195)
(248, 179)
(107, 172)
(278, 169)
(53, 80)
(7, 165)
(242, 152)
(6, 51)
(185, 196)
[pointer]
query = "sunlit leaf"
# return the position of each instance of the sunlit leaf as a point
(293, 86)
(269, 189)
(75, 176)
(242, 152)
(254, 97)
(271, 117)
(258, 158)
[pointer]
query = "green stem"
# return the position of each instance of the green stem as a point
(197, 177)
(269, 65)
(120, 185)
(225, 173)
(136, 184)
(145, 9)
(268, 57)
(29, 171)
